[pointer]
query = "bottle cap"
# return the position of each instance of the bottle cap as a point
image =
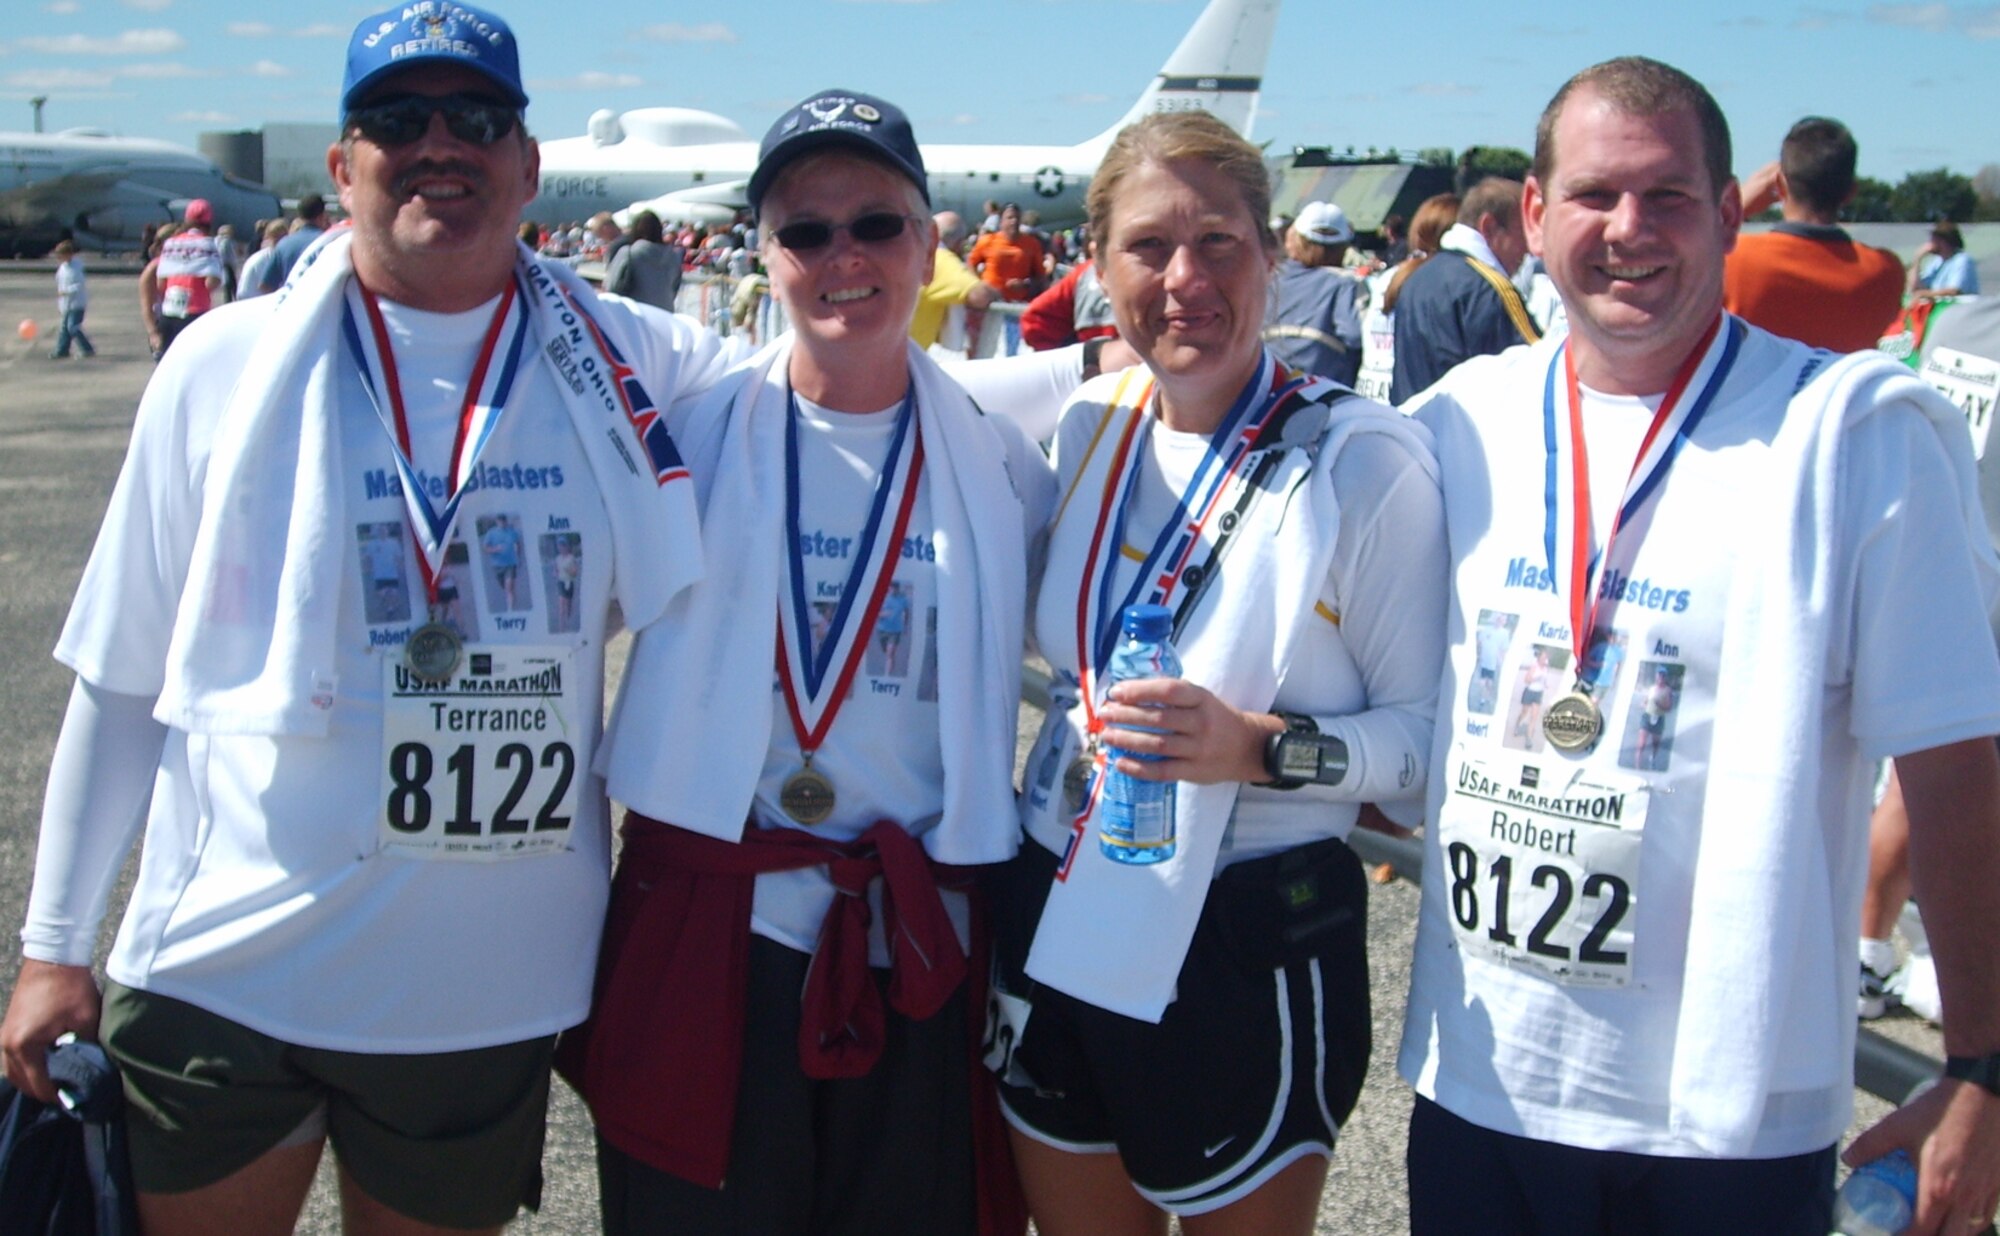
(1152, 623)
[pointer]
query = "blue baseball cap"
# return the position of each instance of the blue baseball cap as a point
(839, 118)
(431, 32)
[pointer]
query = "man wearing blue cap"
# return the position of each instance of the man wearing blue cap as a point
(786, 1032)
(376, 858)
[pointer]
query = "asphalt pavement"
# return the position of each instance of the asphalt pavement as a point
(63, 430)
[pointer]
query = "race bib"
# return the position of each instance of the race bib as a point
(175, 301)
(1542, 866)
(1970, 382)
(488, 764)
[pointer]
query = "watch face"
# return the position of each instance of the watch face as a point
(1298, 760)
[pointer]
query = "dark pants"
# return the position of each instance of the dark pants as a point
(888, 1154)
(1464, 1178)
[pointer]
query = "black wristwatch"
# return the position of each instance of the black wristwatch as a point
(1301, 755)
(1979, 1070)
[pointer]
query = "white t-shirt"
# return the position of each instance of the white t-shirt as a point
(1365, 667)
(1493, 1033)
(1378, 340)
(882, 753)
(265, 890)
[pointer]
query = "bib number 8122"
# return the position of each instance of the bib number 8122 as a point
(1544, 949)
(411, 804)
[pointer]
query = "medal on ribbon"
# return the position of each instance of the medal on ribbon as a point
(816, 674)
(435, 648)
(1574, 722)
(1169, 570)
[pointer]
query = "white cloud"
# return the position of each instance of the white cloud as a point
(1976, 23)
(675, 32)
(150, 6)
(962, 119)
(592, 79)
(269, 68)
(203, 118)
(1932, 17)
(57, 79)
(125, 43)
(1442, 90)
(160, 71)
(265, 30)
(62, 7)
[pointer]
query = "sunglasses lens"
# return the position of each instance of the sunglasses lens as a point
(868, 229)
(877, 227)
(400, 121)
(801, 236)
(482, 124)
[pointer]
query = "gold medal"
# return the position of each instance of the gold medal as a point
(1076, 782)
(433, 651)
(1573, 722)
(807, 797)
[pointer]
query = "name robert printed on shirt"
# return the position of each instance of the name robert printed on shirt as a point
(1614, 586)
(386, 483)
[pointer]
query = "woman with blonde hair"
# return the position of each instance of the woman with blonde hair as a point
(1183, 1038)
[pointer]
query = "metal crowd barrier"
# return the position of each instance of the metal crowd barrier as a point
(1883, 1067)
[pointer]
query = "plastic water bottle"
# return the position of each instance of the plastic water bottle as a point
(1879, 1198)
(1136, 818)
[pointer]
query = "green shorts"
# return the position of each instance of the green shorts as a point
(452, 1138)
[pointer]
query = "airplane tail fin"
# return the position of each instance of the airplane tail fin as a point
(1218, 68)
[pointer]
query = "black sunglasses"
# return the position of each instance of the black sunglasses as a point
(401, 119)
(868, 229)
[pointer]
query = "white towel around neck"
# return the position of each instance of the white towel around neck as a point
(253, 648)
(1115, 935)
(1763, 911)
(694, 717)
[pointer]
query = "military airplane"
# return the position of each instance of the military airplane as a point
(693, 165)
(102, 191)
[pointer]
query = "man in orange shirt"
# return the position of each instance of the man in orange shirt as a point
(1009, 260)
(1807, 278)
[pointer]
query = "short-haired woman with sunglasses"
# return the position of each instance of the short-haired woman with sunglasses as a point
(1183, 1037)
(785, 1036)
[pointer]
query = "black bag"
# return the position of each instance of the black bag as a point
(1289, 907)
(63, 1168)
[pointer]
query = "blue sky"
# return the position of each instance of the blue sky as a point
(1918, 82)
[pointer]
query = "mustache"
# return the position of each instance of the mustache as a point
(408, 178)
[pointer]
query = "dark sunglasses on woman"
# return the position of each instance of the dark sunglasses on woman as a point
(400, 119)
(869, 229)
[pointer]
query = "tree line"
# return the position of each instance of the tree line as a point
(1920, 197)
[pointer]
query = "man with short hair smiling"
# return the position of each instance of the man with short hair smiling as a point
(376, 857)
(1631, 1003)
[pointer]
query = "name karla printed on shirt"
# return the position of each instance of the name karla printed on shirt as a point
(575, 351)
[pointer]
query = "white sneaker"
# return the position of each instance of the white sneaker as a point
(1915, 987)
(1875, 999)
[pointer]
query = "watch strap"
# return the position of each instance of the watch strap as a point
(1979, 1070)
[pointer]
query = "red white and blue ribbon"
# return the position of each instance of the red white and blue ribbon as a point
(492, 380)
(1567, 517)
(803, 668)
(1164, 569)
